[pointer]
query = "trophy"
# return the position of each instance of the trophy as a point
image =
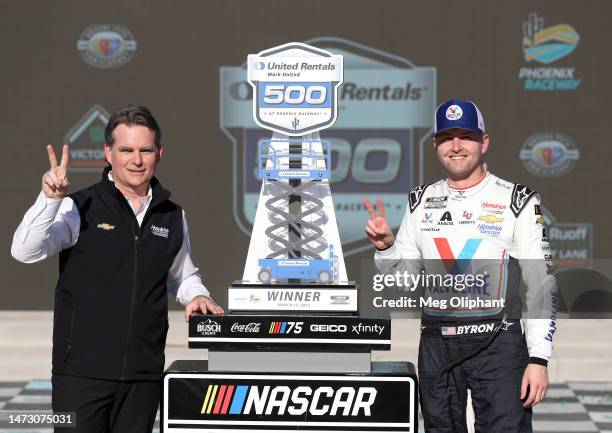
(292, 353)
(295, 260)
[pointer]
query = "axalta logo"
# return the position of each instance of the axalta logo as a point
(230, 399)
(547, 45)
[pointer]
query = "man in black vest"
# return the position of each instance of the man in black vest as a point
(123, 246)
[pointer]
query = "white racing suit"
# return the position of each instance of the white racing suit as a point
(493, 228)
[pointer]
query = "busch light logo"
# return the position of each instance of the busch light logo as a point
(386, 105)
(86, 141)
(295, 88)
(208, 327)
(106, 45)
(546, 45)
(549, 154)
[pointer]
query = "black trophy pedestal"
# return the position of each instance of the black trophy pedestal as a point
(196, 399)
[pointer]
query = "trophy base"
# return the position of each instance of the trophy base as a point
(289, 333)
(293, 297)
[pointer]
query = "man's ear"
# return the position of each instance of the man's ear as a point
(107, 153)
(484, 146)
(160, 152)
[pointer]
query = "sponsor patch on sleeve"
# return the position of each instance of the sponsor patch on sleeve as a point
(415, 196)
(520, 197)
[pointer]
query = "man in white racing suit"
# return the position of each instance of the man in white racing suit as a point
(472, 336)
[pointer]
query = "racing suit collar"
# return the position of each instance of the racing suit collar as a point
(470, 191)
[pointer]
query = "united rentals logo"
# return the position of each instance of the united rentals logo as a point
(549, 154)
(86, 141)
(106, 45)
(546, 45)
(386, 106)
(346, 401)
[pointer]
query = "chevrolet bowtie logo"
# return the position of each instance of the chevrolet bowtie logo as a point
(490, 219)
(105, 226)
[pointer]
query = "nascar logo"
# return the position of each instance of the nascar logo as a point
(285, 327)
(226, 399)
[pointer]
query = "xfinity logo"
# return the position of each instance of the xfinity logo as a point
(358, 329)
(229, 399)
(252, 327)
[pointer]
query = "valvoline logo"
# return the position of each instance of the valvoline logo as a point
(230, 399)
(547, 44)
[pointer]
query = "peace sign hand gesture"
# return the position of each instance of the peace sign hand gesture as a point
(377, 228)
(55, 182)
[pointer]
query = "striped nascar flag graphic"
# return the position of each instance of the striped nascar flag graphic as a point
(277, 327)
(224, 399)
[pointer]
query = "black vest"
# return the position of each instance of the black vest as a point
(111, 310)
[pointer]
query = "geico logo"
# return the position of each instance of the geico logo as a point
(315, 327)
(278, 400)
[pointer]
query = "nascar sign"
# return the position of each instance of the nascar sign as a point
(232, 402)
(295, 88)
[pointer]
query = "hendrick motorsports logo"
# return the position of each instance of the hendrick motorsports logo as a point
(86, 140)
(547, 45)
(549, 154)
(208, 328)
(106, 45)
(385, 116)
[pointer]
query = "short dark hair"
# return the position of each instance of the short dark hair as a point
(132, 115)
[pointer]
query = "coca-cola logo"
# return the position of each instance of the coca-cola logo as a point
(246, 327)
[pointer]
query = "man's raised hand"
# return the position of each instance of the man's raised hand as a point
(377, 228)
(55, 181)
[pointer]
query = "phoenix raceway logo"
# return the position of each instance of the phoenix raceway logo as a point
(549, 154)
(385, 117)
(547, 45)
(86, 141)
(106, 45)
